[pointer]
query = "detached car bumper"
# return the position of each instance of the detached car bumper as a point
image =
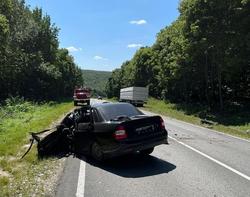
(125, 148)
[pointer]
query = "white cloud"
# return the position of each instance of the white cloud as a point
(73, 49)
(134, 45)
(97, 57)
(138, 22)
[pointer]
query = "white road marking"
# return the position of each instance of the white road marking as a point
(81, 180)
(212, 159)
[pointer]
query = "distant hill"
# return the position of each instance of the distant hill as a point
(96, 80)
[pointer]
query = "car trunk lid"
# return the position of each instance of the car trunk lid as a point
(143, 127)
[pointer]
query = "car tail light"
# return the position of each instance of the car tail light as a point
(162, 124)
(120, 133)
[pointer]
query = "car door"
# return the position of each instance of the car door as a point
(103, 130)
(83, 137)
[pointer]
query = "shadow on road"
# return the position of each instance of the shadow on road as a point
(134, 166)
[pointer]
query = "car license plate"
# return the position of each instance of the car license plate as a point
(145, 130)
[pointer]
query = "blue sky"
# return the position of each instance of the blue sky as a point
(101, 34)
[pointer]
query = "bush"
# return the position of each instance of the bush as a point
(15, 105)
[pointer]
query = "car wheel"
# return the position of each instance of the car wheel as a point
(96, 152)
(147, 151)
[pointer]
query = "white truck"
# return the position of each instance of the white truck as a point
(134, 95)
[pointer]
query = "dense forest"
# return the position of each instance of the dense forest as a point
(202, 57)
(96, 80)
(31, 63)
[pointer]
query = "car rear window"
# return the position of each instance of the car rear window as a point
(115, 110)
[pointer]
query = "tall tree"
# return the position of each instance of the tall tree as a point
(31, 63)
(202, 57)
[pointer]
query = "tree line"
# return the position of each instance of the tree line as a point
(31, 63)
(202, 57)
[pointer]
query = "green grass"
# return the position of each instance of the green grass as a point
(233, 121)
(15, 124)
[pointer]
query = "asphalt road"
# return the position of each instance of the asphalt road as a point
(198, 162)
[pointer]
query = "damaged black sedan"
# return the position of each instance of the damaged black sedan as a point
(106, 130)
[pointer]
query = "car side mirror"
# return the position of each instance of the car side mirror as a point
(84, 127)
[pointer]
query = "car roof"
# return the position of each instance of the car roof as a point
(109, 111)
(108, 104)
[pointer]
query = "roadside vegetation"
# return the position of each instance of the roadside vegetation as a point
(235, 120)
(17, 118)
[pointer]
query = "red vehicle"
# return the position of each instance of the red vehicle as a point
(81, 95)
